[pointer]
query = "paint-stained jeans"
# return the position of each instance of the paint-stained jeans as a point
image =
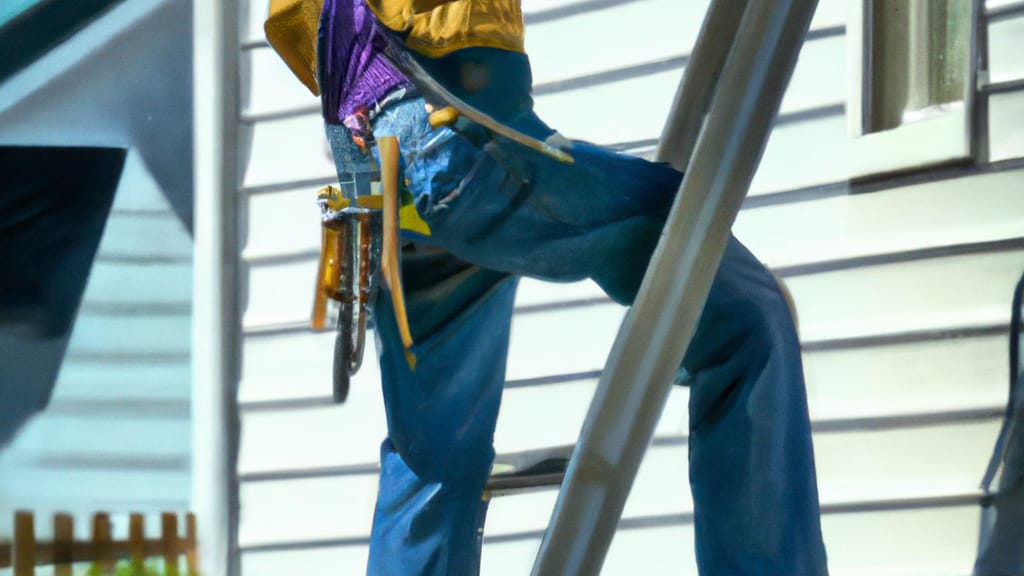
(499, 215)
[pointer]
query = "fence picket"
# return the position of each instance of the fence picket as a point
(24, 544)
(25, 552)
(63, 541)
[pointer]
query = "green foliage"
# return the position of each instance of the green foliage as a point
(128, 568)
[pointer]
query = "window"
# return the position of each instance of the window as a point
(912, 93)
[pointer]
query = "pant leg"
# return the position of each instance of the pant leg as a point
(441, 416)
(1001, 541)
(751, 460)
(752, 466)
(1001, 546)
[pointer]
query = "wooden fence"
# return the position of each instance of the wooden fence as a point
(103, 551)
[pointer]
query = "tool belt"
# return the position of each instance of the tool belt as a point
(360, 250)
(360, 240)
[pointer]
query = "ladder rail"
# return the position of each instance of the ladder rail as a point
(638, 377)
(700, 79)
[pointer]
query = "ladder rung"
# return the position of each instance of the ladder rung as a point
(545, 473)
(512, 484)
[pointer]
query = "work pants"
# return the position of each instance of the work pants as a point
(498, 211)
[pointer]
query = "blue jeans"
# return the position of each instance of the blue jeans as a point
(508, 212)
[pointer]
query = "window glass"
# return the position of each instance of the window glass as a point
(918, 61)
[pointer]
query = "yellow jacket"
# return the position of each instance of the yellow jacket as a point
(437, 27)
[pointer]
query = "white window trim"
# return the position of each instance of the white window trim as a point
(949, 137)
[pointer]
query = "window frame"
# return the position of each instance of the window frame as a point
(950, 137)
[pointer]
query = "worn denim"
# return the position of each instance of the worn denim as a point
(1001, 542)
(509, 212)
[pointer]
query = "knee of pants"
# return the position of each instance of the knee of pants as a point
(753, 321)
(459, 464)
(441, 437)
(745, 351)
(746, 323)
(449, 443)
(442, 414)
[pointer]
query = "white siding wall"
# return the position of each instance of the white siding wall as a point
(902, 286)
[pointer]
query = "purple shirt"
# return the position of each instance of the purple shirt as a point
(353, 70)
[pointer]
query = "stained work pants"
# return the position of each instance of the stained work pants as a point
(508, 212)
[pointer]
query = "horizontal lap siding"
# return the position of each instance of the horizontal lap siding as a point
(311, 438)
(933, 376)
(900, 294)
(905, 218)
(294, 365)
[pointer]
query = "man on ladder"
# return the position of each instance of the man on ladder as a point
(518, 199)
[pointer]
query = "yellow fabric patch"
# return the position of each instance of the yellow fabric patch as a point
(437, 27)
(291, 29)
(409, 219)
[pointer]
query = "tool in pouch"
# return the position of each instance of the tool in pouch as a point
(359, 249)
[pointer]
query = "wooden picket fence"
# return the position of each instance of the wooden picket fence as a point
(103, 551)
